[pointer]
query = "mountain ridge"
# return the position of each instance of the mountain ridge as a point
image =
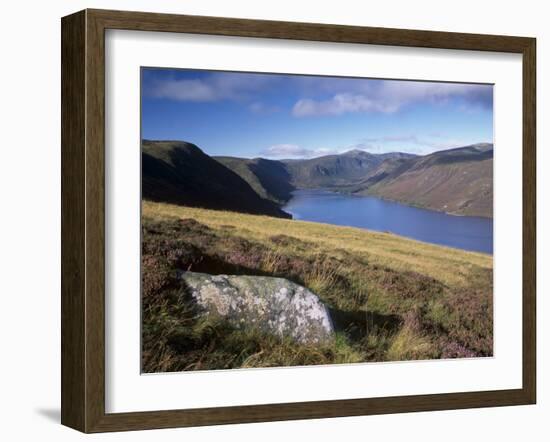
(181, 173)
(457, 180)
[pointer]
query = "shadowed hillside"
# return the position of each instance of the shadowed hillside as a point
(180, 173)
(270, 179)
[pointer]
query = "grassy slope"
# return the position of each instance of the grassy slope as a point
(451, 266)
(473, 181)
(391, 298)
(458, 181)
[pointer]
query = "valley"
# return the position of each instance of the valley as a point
(456, 181)
(221, 222)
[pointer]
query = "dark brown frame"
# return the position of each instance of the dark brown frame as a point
(83, 216)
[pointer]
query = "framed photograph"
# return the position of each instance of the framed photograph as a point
(269, 220)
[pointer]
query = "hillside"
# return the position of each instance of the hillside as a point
(386, 303)
(270, 179)
(180, 173)
(458, 181)
(335, 170)
(275, 180)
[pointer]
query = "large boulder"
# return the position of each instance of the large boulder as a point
(273, 305)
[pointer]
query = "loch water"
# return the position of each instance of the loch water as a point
(368, 212)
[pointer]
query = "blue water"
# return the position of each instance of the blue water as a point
(462, 232)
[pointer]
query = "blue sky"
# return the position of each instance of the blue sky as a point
(290, 116)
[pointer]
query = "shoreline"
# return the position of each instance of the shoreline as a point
(400, 202)
(474, 234)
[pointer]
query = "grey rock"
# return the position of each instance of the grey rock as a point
(273, 305)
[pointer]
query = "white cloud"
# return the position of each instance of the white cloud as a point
(215, 87)
(389, 96)
(340, 104)
(408, 143)
(290, 151)
(319, 95)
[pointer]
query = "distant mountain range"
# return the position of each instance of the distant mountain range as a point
(332, 171)
(458, 181)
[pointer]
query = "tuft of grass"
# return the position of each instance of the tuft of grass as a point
(409, 344)
(322, 276)
(377, 343)
(272, 261)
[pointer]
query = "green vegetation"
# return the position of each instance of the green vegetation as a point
(390, 298)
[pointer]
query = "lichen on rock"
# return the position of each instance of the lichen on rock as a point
(273, 305)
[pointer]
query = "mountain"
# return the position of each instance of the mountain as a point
(332, 171)
(270, 179)
(180, 173)
(458, 181)
(275, 180)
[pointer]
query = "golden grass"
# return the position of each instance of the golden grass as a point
(409, 345)
(448, 265)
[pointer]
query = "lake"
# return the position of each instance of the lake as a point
(462, 232)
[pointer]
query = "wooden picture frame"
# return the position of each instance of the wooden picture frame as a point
(83, 220)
